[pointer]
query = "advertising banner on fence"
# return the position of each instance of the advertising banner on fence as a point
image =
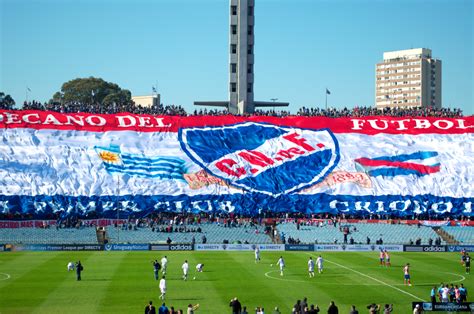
(299, 247)
(239, 247)
(80, 163)
(459, 248)
(424, 248)
(127, 247)
(328, 247)
(58, 247)
(445, 307)
(159, 247)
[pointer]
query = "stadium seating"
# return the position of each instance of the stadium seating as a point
(390, 234)
(48, 236)
(461, 234)
(213, 232)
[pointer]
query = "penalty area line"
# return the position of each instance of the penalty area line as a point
(375, 279)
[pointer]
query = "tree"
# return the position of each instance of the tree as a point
(6, 101)
(91, 90)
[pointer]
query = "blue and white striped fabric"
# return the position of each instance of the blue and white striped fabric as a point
(160, 167)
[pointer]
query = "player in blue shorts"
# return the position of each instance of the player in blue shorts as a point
(406, 271)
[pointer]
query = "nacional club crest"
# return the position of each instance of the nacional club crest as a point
(263, 158)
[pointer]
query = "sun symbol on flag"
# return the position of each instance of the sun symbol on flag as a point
(109, 156)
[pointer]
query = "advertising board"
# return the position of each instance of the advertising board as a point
(127, 247)
(424, 248)
(59, 247)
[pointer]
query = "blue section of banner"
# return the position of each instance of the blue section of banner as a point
(214, 144)
(245, 204)
(291, 174)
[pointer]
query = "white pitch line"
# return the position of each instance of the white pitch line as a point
(7, 276)
(375, 279)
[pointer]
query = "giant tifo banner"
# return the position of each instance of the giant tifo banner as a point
(79, 163)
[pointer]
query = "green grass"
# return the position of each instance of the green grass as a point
(122, 282)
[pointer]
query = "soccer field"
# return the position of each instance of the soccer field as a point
(123, 282)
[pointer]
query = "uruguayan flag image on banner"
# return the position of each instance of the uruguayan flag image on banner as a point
(419, 164)
(158, 167)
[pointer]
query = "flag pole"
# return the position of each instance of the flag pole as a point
(326, 92)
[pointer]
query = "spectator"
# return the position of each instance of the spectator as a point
(236, 306)
(417, 309)
(192, 308)
(332, 309)
(374, 308)
(163, 309)
(150, 308)
(388, 309)
(353, 310)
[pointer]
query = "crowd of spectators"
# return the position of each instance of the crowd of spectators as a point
(177, 110)
(75, 107)
(373, 111)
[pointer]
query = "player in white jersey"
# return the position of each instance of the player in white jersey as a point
(281, 263)
(406, 272)
(257, 254)
(164, 263)
(185, 268)
(199, 268)
(70, 266)
(311, 267)
(319, 262)
(162, 288)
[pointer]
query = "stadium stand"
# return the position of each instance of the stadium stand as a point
(461, 234)
(48, 236)
(390, 234)
(214, 234)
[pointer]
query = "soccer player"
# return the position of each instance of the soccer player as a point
(70, 266)
(257, 254)
(281, 262)
(162, 288)
(387, 258)
(463, 293)
(382, 258)
(319, 262)
(198, 269)
(164, 264)
(156, 268)
(467, 263)
(406, 271)
(311, 267)
(445, 294)
(185, 268)
(463, 256)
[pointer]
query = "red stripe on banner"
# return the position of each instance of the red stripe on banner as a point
(423, 169)
(147, 123)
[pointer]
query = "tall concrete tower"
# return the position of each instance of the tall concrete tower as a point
(241, 56)
(241, 61)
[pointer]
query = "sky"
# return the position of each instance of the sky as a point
(302, 47)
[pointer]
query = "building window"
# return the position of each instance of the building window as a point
(250, 10)
(233, 48)
(249, 87)
(234, 29)
(233, 10)
(249, 68)
(250, 49)
(250, 30)
(233, 87)
(233, 67)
